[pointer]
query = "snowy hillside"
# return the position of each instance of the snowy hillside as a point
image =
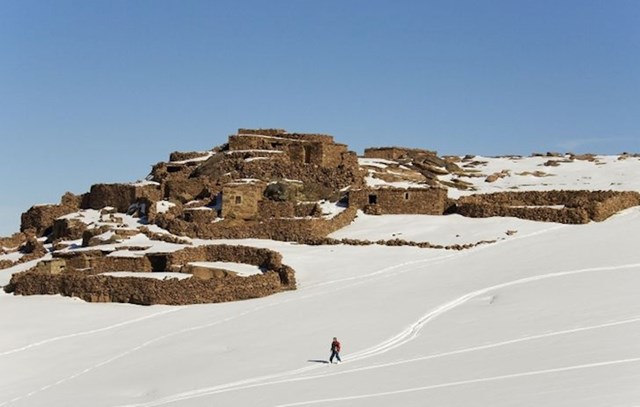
(548, 315)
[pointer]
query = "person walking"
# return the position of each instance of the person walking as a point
(335, 350)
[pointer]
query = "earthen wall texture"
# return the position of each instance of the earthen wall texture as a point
(40, 218)
(272, 209)
(578, 206)
(186, 155)
(146, 291)
(425, 201)
(185, 190)
(83, 277)
(70, 229)
(241, 201)
(280, 133)
(394, 153)
(121, 196)
(332, 154)
(200, 215)
(293, 230)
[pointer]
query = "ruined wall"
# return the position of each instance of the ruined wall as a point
(121, 196)
(273, 209)
(70, 229)
(80, 276)
(189, 189)
(577, 206)
(264, 258)
(186, 155)
(200, 215)
(294, 230)
(395, 153)
(332, 154)
(280, 133)
(40, 218)
(171, 171)
(425, 201)
(264, 132)
(146, 291)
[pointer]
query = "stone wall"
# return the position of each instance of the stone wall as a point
(425, 201)
(577, 207)
(189, 189)
(80, 276)
(280, 133)
(395, 153)
(186, 155)
(241, 200)
(40, 218)
(145, 291)
(69, 229)
(292, 230)
(121, 196)
(273, 209)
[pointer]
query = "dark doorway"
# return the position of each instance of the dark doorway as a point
(307, 154)
(158, 262)
(373, 199)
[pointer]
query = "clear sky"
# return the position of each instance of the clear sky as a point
(98, 91)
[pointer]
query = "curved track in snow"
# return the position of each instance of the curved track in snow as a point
(402, 338)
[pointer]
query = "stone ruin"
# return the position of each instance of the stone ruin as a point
(264, 183)
(81, 274)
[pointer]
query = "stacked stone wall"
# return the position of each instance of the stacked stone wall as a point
(241, 201)
(146, 291)
(332, 154)
(40, 218)
(578, 207)
(121, 196)
(185, 190)
(83, 277)
(272, 209)
(395, 153)
(293, 230)
(424, 201)
(186, 155)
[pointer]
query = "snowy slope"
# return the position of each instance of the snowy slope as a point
(548, 316)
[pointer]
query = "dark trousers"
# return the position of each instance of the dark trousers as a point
(334, 354)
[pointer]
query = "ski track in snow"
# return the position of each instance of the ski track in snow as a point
(404, 337)
(464, 382)
(90, 332)
(392, 343)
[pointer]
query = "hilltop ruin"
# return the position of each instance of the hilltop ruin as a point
(264, 183)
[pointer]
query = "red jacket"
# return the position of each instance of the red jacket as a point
(335, 346)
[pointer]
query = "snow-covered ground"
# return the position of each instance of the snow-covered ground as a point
(546, 316)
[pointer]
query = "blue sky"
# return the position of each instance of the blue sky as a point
(98, 91)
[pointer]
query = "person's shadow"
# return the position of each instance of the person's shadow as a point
(317, 361)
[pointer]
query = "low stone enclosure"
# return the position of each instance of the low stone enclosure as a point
(570, 207)
(79, 274)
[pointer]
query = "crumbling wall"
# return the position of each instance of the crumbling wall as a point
(293, 230)
(189, 189)
(121, 196)
(425, 201)
(186, 155)
(572, 207)
(69, 229)
(395, 153)
(81, 276)
(273, 209)
(40, 218)
(145, 291)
